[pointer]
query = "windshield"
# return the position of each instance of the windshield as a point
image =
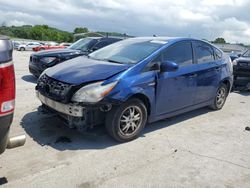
(246, 54)
(81, 44)
(128, 51)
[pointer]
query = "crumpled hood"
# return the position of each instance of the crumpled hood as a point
(82, 69)
(56, 52)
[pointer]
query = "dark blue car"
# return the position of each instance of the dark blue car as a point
(136, 81)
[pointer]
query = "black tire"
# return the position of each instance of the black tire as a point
(22, 49)
(218, 104)
(114, 123)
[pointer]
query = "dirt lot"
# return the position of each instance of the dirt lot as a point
(202, 148)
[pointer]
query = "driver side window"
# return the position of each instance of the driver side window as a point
(180, 53)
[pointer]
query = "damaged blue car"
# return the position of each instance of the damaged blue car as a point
(136, 81)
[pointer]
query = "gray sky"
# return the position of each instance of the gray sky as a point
(206, 19)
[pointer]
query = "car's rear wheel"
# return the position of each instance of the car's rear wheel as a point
(22, 49)
(125, 122)
(220, 98)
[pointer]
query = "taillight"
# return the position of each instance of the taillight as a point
(7, 88)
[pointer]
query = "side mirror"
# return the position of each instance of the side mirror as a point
(169, 66)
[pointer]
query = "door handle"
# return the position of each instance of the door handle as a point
(192, 75)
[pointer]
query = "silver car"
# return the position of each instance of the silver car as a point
(28, 46)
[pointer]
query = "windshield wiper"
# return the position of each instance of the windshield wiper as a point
(112, 61)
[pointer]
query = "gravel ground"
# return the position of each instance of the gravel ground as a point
(202, 148)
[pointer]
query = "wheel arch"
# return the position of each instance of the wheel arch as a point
(144, 99)
(227, 83)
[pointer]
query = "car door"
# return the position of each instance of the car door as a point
(208, 71)
(29, 46)
(176, 90)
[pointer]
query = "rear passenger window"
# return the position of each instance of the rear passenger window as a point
(180, 53)
(203, 52)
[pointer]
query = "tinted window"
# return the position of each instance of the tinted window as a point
(100, 44)
(180, 53)
(203, 52)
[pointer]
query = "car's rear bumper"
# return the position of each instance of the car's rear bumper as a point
(5, 122)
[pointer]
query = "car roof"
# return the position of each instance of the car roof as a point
(91, 37)
(164, 39)
(169, 40)
(2, 37)
(110, 38)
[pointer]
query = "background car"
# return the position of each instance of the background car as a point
(42, 60)
(7, 96)
(135, 81)
(233, 55)
(28, 46)
(65, 44)
(241, 70)
(49, 46)
(15, 44)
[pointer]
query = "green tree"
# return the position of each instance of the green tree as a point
(37, 32)
(81, 30)
(220, 40)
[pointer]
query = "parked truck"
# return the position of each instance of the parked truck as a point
(7, 96)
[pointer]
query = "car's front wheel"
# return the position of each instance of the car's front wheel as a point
(220, 98)
(22, 49)
(125, 122)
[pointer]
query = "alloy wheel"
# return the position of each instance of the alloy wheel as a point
(221, 96)
(130, 120)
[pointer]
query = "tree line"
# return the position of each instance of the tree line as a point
(37, 32)
(46, 33)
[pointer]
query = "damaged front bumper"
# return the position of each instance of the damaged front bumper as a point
(68, 109)
(76, 115)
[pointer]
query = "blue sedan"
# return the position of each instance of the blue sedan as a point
(135, 81)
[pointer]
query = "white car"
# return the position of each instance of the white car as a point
(28, 46)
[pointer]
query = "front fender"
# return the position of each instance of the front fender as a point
(145, 85)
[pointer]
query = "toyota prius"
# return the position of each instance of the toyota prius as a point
(136, 81)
